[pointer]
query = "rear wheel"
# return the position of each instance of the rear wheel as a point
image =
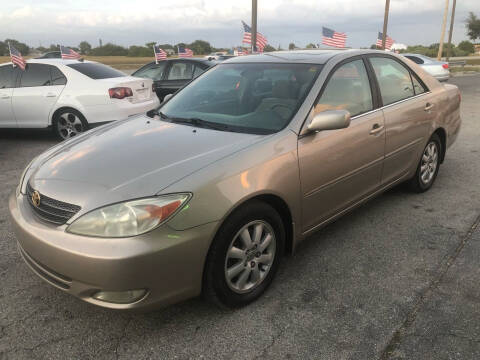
(428, 166)
(69, 123)
(244, 256)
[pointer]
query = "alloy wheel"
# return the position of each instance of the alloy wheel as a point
(69, 125)
(429, 162)
(250, 256)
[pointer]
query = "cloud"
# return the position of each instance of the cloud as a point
(282, 21)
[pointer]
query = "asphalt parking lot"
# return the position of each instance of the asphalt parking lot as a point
(397, 278)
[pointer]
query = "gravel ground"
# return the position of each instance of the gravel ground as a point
(395, 279)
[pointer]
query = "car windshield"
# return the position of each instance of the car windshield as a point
(257, 98)
(96, 71)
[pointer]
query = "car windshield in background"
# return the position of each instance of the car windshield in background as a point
(254, 98)
(96, 71)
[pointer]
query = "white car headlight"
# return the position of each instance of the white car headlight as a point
(130, 218)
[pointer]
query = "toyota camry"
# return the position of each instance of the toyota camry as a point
(206, 194)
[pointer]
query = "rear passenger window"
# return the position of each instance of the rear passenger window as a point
(198, 71)
(154, 72)
(417, 86)
(393, 78)
(415, 59)
(6, 77)
(347, 89)
(180, 71)
(57, 76)
(35, 75)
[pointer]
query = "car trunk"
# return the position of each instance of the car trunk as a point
(141, 88)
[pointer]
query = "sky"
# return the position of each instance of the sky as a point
(135, 22)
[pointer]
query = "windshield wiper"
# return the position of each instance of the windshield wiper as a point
(201, 123)
(155, 112)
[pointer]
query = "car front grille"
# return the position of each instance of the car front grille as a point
(51, 210)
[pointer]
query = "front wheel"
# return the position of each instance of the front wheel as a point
(428, 166)
(244, 256)
(69, 123)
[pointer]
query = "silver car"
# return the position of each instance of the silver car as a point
(237, 168)
(438, 69)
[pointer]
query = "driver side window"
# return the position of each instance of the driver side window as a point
(347, 89)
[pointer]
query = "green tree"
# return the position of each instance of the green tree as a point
(311, 46)
(3, 49)
(23, 48)
(140, 51)
(109, 49)
(150, 44)
(467, 46)
(200, 47)
(85, 48)
(473, 26)
(268, 48)
(373, 47)
(291, 46)
(165, 46)
(42, 49)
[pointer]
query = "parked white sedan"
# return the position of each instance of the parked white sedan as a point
(438, 69)
(70, 95)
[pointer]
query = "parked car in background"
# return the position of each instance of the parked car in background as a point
(50, 55)
(233, 171)
(69, 95)
(438, 69)
(170, 75)
(214, 55)
(225, 57)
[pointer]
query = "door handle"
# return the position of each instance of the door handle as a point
(429, 106)
(50, 95)
(376, 128)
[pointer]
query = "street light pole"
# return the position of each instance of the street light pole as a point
(254, 26)
(385, 23)
(442, 36)
(452, 20)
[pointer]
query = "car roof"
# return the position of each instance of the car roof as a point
(57, 61)
(316, 56)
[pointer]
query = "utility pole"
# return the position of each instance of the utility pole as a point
(444, 25)
(254, 26)
(452, 20)
(385, 23)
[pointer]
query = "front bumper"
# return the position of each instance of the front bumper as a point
(166, 262)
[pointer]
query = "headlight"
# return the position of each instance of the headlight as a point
(20, 185)
(129, 218)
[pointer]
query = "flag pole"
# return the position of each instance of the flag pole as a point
(444, 24)
(254, 26)
(10, 53)
(155, 54)
(452, 20)
(385, 23)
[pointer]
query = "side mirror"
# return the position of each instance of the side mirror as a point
(167, 97)
(330, 120)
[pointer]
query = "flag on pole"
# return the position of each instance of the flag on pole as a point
(17, 58)
(160, 54)
(69, 54)
(247, 37)
(241, 51)
(184, 52)
(388, 41)
(332, 38)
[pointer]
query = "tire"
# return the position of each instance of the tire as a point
(68, 123)
(428, 166)
(243, 276)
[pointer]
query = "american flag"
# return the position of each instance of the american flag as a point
(159, 53)
(68, 53)
(247, 37)
(388, 41)
(333, 38)
(17, 58)
(184, 52)
(241, 51)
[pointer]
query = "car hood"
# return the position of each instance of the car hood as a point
(129, 159)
